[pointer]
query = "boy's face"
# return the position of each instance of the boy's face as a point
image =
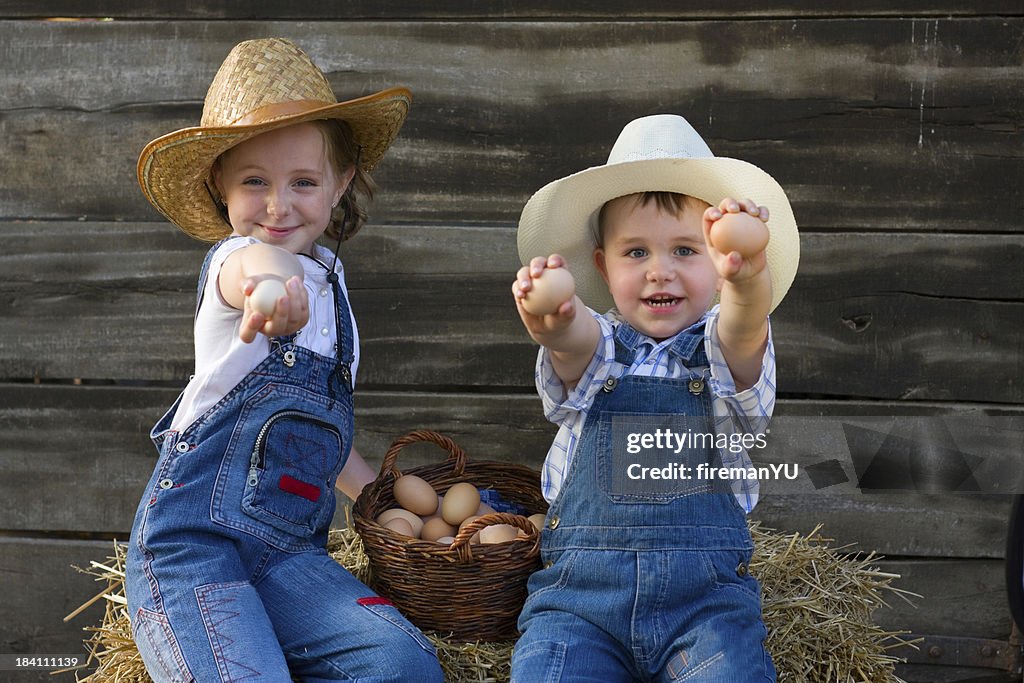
(656, 265)
(279, 187)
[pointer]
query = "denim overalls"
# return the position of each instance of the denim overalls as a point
(227, 576)
(648, 580)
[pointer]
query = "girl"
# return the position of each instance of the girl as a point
(227, 577)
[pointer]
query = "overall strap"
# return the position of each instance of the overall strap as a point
(204, 272)
(343, 326)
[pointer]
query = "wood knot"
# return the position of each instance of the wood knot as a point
(858, 323)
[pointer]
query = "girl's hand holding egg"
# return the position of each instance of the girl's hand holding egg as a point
(272, 307)
(265, 295)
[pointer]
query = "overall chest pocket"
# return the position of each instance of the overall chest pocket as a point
(654, 458)
(289, 481)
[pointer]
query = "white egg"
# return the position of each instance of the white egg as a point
(264, 297)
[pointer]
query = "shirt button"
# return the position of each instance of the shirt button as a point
(549, 564)
(741, 569)
(324, 331)
(553, 523)
(181, 447)
(323, 292)
(166, 484)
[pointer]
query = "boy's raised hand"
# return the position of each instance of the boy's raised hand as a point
(736, 235)
(570, 338)
(290, 312)
(542, 326)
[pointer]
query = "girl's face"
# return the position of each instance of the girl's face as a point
(656, 265)
(280, 187)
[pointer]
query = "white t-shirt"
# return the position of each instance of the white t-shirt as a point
(223, 360)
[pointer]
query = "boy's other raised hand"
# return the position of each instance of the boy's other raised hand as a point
(290, 312)
(736, 235)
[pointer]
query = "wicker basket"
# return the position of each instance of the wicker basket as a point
(472, 591)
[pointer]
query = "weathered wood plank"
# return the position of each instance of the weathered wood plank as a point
(321, 10)
(905, 124)
(76, 459)
(39, 588)
(964, 598)
(960, 597)
(870, 315)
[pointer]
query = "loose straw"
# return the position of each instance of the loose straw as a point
(817, 603)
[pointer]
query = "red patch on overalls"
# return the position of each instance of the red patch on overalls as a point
(374, 601)
(299, 488)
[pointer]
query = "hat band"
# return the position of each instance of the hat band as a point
(279, 110)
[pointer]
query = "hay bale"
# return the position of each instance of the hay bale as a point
(817, 603)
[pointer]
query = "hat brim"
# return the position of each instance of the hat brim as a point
(561, 217)
(173, 169)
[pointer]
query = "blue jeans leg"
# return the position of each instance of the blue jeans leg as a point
(333, 627)
(558, 647)
(219, 632)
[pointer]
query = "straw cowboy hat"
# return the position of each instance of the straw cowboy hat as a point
(262, 85)
(654, 153)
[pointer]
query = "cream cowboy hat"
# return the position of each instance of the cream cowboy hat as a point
(654, 153)
(262, 85)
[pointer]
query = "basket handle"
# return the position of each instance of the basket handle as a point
(461, 543)
(455, 452)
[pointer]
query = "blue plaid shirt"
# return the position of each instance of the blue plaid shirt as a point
(747, 411)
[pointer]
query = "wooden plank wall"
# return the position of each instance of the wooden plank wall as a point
(896, 130)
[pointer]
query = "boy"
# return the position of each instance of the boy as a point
(647, 579)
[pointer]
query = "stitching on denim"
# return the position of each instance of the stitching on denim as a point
(390, 614)
(304, 658)
(219, 606)
(703, 666)
(145, 619)
(539, 648)
(671, 669)
(147, 563)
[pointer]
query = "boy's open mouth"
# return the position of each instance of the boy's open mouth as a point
(661, 301)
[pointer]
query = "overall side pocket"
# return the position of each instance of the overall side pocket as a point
(288, 484)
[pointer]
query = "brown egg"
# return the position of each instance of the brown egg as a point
(400, 526)
(459, 502)
(553, 288)
(436, 528)
(538, 520)
(415, 495)
(739, 232)
(498, 533)
(415, 522)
